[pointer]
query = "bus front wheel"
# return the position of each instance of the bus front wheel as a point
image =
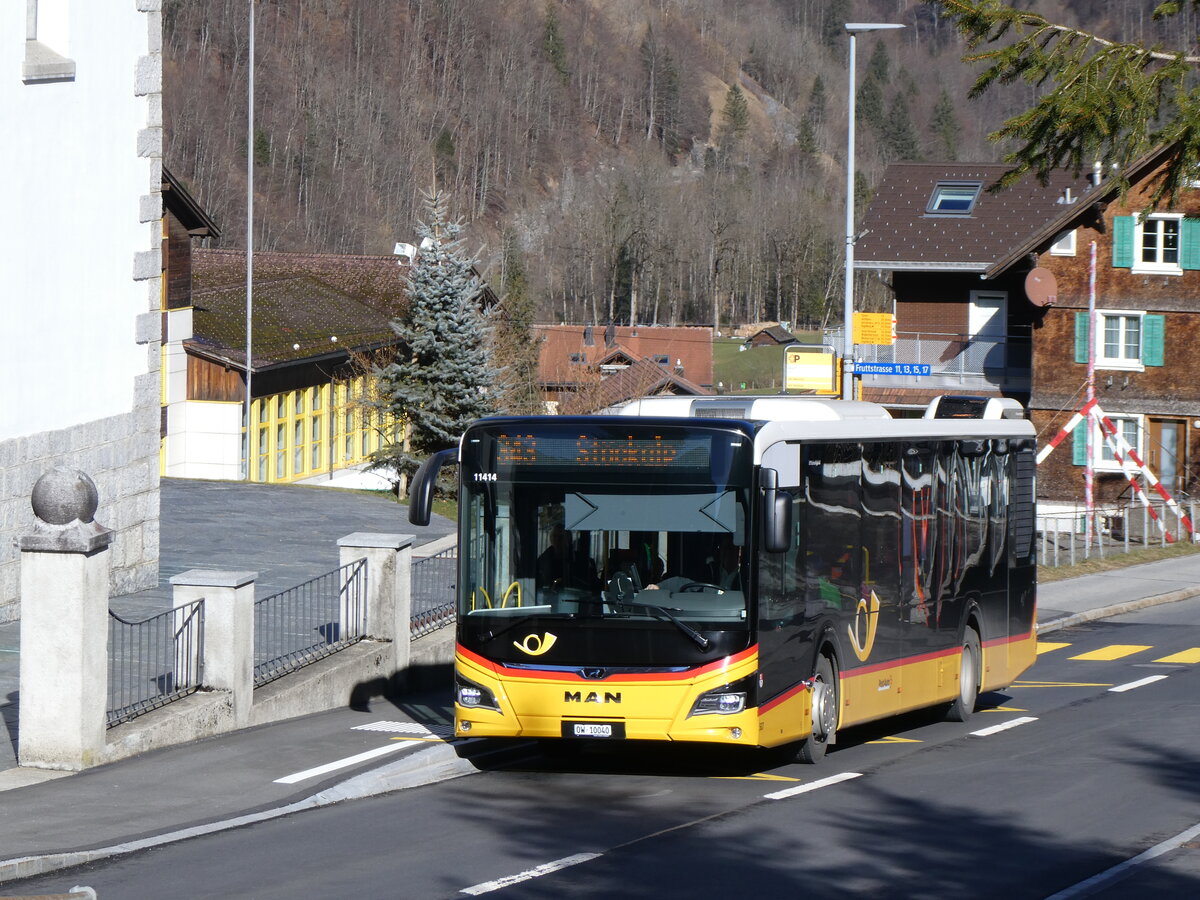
(969, 670)
(824, 713)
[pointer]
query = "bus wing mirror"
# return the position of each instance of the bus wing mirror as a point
(420, 496)
(777, 513)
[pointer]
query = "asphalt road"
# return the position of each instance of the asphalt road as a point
(1087, 762)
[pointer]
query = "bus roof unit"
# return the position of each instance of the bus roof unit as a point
(771, 408)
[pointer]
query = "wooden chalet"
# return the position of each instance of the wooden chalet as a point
(1038, 268)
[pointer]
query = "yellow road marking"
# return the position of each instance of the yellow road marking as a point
(1047, 646)
(1059, 684)
(1004, 709)
(1113, 651)
(892, 739)
(1186, 656)
(761, 776)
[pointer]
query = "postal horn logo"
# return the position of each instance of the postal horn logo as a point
(862, 648)
(536, 644)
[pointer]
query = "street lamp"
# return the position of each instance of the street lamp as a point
(853, 29)
(246, 442)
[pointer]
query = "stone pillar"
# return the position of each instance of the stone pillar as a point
(64, 626)
(228, 659)
(389, 587)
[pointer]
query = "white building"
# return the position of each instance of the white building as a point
(80, 275)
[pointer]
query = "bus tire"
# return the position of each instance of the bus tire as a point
(970, 670)
(824, 713)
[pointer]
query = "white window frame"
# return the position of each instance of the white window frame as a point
(1121, 362)
(953, 192)
(1102, 457)
(1064, 244)
(1153, 222)
(46, 41)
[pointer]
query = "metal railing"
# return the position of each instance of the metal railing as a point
(153, 661)
(1063, 538)
(301, 625)
(948, 353)
(434, 580)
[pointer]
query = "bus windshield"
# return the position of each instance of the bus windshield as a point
(612, 520)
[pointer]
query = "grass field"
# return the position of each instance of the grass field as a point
(753, 370)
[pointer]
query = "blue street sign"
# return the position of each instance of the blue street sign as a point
(872, 368)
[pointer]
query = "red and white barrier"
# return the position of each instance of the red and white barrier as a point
(1131, 464)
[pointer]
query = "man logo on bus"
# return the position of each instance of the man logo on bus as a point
(536, 644)
(862, 649)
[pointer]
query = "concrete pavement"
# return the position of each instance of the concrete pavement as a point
(286, 533)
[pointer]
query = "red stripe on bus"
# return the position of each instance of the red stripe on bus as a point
(503, 671)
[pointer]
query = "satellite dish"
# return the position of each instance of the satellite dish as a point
(1041, 287)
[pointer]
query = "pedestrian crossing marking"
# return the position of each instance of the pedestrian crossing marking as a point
(1186, 656)
(1047, 646)
(1113, 651)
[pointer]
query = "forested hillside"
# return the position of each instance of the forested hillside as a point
(654, 161)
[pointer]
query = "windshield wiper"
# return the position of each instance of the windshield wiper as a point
(666, 615)
(632, 606)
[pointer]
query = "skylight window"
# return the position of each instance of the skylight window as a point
(954, 198)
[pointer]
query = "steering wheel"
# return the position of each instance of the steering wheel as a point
(700, 587)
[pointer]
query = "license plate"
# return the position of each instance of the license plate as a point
(593, 729)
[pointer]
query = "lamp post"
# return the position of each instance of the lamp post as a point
(247, 468)
(853, 29)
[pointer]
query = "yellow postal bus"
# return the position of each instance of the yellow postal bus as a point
(752, 571)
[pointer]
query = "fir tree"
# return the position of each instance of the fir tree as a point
(943, 124)
(735, 116)
(880, 63)
(833, 24)
(899, 135)
(868, 106)
(817, 103)
(441, 379)
(517, 344)
(1096, 98)
(553, 45)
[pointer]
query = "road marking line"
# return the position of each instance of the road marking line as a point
(1122, 688)
(1061, 684)
(1113, 651)
(1087, 888)
(344, 763)
(528, 874)
(892, 739)
(1186, 656)
(1004, 726)
(816, 785)
(1047, 646)
(1003, 709)
(761, 776)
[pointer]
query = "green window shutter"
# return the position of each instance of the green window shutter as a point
(1081, 337)
(1189, 257)
(1152, 340)
(1079, 443)
(1123, 242)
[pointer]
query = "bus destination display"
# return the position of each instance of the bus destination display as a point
(590, 451)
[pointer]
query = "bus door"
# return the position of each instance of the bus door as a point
(879, 578)
(919, 546)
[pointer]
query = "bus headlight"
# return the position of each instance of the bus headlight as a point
(472, 695)
(724, 701)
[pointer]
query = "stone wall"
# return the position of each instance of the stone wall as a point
(121, 455)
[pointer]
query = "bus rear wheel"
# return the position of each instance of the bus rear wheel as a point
(969, 670)
(824, 713)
